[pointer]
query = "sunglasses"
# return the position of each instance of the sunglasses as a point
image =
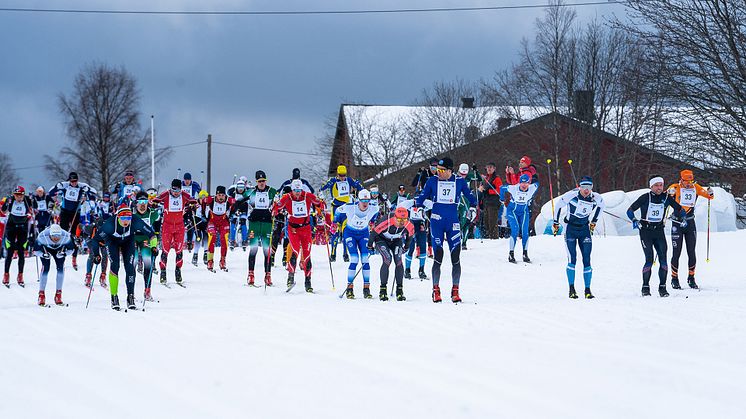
(441, 170)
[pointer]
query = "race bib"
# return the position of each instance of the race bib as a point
(416, 214)
(261, 200)
(655, 212)
(300, 209)
(175, 204)
(446, 192)
(18, 209)
(688, 197)
(583, 209)
(72, 194)
(520, 197)
(357, 222)
(219, 208)
(187, 189)
(41, 205)
(343, 188)
(127, 190)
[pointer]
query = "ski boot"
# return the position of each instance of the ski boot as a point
(232, 245)
(436, 294)
(204, 258)
(19, 279)
(646, 290)
(6, 279)
(349, 292)
(42, 299)
(383, 294)
(422, 273)
(131, 301)
(222, 265)
(268, 279)
(675, 283)
(454, 294)
(163, 277)
(662, 291)
(88, 280)
(366, 292)
(345, 257)
(147, 295)
(190, 246)
(525, 257)
(291, 280)
(588, 294)
(250, 278)
(511, 257)
(177, 273)
(211, 265)
(400, 293)
(58, 298)
(115, 302)
(572, 294)
(75, 263)
(244, 244)
(692, 283)
(308, 285)
(407, 273)
(463, 246)
(195, 258)
(102, 280)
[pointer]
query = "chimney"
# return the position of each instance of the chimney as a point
(471, 133)
(583, 107)
(467, 102)
(503, 123)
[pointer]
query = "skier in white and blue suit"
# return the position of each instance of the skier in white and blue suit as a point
(583, 209)
(517, 199)
(357, 217)
(442, 192)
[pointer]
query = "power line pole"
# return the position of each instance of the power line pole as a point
(209, 162)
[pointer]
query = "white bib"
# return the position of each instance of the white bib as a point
(446, 192)
(688, 197)
(655, 212)
(357, 222)
(300, 209)
(521, 197)
(18, 209)
(175, 204)
(343, 188)
(219, 208)
(41, 205)
(72, 194)
(127, 190)
(261, 200)
(583, 209)
(416, 214)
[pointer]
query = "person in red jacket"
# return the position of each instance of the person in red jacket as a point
(298, 205)
(175, 202)
(217, 207)
(524, 166)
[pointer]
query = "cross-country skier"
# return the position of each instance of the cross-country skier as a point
(400, 198)
(517, 200)
(653, 206)
(417, 241)
(126, 187)
(685, 228)
(239, 214)
(298, 205)
(260, 220)
(357, 218)
(89, 232)
(192, 188)
(43, 204)
(583, 209)
(296, 175)
(175, 202)
(443, 192)
(200, 229)
(118, 235)
(390, 237)
(152, 217)
(73, 193)
(20, 213)
(52, 243)
(341, 188)
(217, 209)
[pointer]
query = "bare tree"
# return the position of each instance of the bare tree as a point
(8, 177)
(102, 120)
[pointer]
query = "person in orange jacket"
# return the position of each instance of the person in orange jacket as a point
(684, 228)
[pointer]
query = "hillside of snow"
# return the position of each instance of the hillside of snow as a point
(516, 347)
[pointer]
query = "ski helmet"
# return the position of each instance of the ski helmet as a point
(296, 185)
(463, 169)
(240, 185)
(401, 213)
(342, 170)
(363, 195)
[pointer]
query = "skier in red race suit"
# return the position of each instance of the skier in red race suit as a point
(217, 207)
(298, 205)
(175, 202)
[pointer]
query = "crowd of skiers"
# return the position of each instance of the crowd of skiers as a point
(133, 226)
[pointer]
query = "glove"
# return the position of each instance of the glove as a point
(154, 251)
(683, 223)
(635, 224)
(672, 191)
(45, 255)
(61, 254)
(472, 214)
(592, 226)
(97, 259)
(555, 228)
(710, 192)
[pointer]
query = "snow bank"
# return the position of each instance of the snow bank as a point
(614, 221)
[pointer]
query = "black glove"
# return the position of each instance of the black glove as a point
(97, 259)
(154, 251)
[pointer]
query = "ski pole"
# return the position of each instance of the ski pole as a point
(353, 280)
(329, 254)
(708, 231)
(616, 216)
(551, 194)
(574, 179)
(95, 271)
(150, 278)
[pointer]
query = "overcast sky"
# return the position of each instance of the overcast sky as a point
(268, 81)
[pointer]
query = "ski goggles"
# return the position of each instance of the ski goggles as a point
(365, 201)
(175, 190)
(142, 202)
(586, 186)
(125, 218)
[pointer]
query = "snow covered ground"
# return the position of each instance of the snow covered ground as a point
(516, 347)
